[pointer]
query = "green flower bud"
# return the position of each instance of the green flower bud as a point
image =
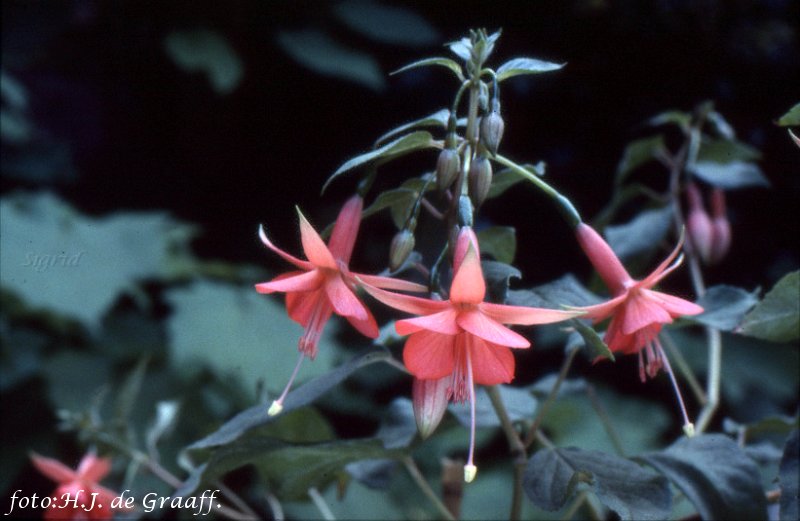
(483, 97)
(492, 127)
(447, 167)
(401, 247)
(464, 211)
(480, 179)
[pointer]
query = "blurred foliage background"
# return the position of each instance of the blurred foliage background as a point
(143, 143)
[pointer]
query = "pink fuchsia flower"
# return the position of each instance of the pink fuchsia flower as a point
(721, 226)
(80, 485)
(637, 312)
(698, 224)
(457, 343)
(324, 285)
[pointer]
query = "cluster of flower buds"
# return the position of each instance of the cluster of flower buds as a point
(709, 235)
(402, 245)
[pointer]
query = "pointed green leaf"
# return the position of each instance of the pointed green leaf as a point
(724, 306)
(715, 474)
(387, 24)
(322, 54)
(791, 118)
(208, 52)
(633, 492)
(777, 317)
(437, 119)
(638, 153)
(498, 277)
(641, 234)
(788, 477)
(461, 48)
(257, 416)
(388, 199)
(731, 175)
(518, 66)
(418, 140)
(444, 62)
(565, 291)
(592, 341)
(726, 151)
(500, 242)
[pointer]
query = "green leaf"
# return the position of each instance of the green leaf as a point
(640, 235)
(595, 346)
(638, 153)
(520, 405)
(518, 66)
(387, 24)
(787, 475)
(257, 416)
(500, 242)
(498, 277)
(673, 117)
(729, 176)
(437, 119)
(398, 426)
(552, 476)
(427, 62)
(75, 378)
(777, 317)
(320, 53)
(57, 259)
(208, 52)
(724, 306)
(791, 118)
(565, 291)
(403, 197)
(715, 474)
(418, 140)
(720, 125)
(726, 151)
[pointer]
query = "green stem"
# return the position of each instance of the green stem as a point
(568, 211)
(422, 483)
(517, 450)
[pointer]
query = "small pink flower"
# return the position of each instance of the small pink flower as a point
(721, 242)
(457, 343)
(324, 285)
(637, 311)
(698, 224)
(79, 485)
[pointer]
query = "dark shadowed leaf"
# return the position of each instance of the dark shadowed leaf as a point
(320, 53)
(731, 175)
(724, 306)
(715, 474)
(418, 140)
(633, 492)
(638, 153)
(308, 393)
(499, 241)
(506, 178)
(777, 317)
(726, 151)
(387, 24)
(518, 66)
(520, 404)
(565, 291)
(640, 235)
(788, 476)
(374, 473)
(398, 426)
(427, 62)
(791, 118)
(498, 276)
(390, 198)
(208, 52)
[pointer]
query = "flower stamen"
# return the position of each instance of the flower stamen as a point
(470, 470)
(277, 405)
(688, 427)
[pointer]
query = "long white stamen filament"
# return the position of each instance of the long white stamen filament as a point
(277, 405)
(470, 469)
(688, 427)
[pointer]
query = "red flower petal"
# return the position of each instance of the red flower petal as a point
(429, 356)
(484, 327)
(468, 286)
(640, 312)
(391, 283)
(345, 230)
(367, 326)
(675, 306)
(442, 322)
(53, 469)
(343, 299)
(466, 237)
(296, 281)
(601, 311)
(664, 268)
(313, 245)
(603, 258)
(407, 303)
(525, 316)
(491, 364)
(303, 265)
(93, 468)
(300, 306)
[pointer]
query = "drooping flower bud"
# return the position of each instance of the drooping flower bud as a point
(721, 227)
(401, 247)
(698, 224)
(430, 403)
(447, 167)
(492, 127)
(480, 179)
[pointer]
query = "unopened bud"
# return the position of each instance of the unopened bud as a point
(401, 247)
(698, 224)
(430, 403)
(721, 227)
(483, 97)
(480, 179)
(447, 167)
(492, 127)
